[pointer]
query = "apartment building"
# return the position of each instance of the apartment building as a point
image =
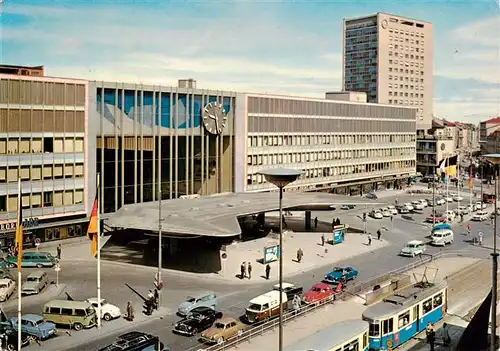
(350, 147)
(391, 59)
(37, 71)
(489, 135)
(43, 129)
(438, 144)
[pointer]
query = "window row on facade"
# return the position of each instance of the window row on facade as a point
(16, 145)
(320, 172)
(46, 172)
(27, 92)
(266, 105)
(40, 121)
(42, 200)
(407, 33)
(330, 139)
(279, 158)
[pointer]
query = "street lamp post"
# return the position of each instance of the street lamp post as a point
(495, 160)
(281, 177)
(159, 282)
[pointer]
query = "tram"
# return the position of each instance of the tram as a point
(351, 335)
(404, 314)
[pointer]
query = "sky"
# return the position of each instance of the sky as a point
(283, 47)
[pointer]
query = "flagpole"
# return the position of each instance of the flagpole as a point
(458, 182)
(447, 184)
(19, 275)
(98, 251)
(470, 178)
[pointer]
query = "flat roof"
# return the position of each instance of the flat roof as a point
(217, 215)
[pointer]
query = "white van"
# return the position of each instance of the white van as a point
(265, 306)
(441, 237)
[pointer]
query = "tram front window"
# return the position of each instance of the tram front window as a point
(374, 328)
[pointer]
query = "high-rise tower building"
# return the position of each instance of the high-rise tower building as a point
(390, 58)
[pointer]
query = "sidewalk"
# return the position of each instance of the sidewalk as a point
(339, 311)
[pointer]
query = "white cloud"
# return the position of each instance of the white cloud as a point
(482, 32)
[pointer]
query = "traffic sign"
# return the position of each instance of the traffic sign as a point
(57, 268)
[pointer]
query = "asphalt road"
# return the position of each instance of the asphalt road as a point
(80, 277)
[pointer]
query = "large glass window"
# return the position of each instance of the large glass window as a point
(387, 326)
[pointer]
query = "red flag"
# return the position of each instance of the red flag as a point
(93, 229)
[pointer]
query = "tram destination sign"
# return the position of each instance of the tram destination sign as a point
(28, 223)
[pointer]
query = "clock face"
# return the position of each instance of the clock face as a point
(214, 117)
(443, 146)
(384, 24)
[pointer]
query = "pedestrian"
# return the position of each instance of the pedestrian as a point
(333, 223)
(379, 234)
(59, 248)
(315, 222)
(369, 239)
(156, 295)
(130, 312)
(151, 295)
(337, 222)
(322, 239)
(392, 217)
(243, 269)
(268, 271)
(446, 335)
(480, 238)
(283, 221)
(300, 253)
(249, 270)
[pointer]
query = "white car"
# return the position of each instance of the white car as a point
(480, 206)
(7, 287)
(424, 202)
(440, 201)
(471, 208)
(386, 212)
(392, 209)
(413, 248)
(481, 216)
(403, 209)
(462, 210)
(457, 198)
(450, 215)
(376, 214)
(108, 311)
(409, 206)
(417, 205)
(448, 199)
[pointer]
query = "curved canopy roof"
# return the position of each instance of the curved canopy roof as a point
(217, 215)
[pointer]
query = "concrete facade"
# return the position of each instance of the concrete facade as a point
(391, 59)
(43, 127)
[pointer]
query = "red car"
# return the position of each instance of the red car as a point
(438, 218)
(318, 293)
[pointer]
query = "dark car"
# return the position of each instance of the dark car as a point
(347, 207)
(136, 341)
(290, 290)
(9, 337)
(371, 196)
(198, 319)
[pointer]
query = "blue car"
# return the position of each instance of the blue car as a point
(35, 325)
(339, 274)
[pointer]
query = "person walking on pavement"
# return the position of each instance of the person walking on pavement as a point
(268, 271)
(379, 234)
(249, 270)
(337, 222)
(130, 312)
(480, 235)
(284, 222)
(322, 239)
(315, 222)
(300, 253)
(369, 240)
(59, 248)
(242, 270)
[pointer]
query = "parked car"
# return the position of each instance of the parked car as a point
(480, 206)
(392, 209)
(35, 325)
(6, 274)
(199, 319)
(431, 202)
(448, 199)
(108, 311)
(417, 205)
(371, 196)
(480, 216)
(457, 198)
(222, 330)
(290, 290)
(136, 341)
(450, 215)
(385, 212)
(441, 237)
(8, 335)
(403, 209)
(265, 306)
(35, 282)
(376, 214)
(440, 200)
(347, 207)
(70, 313)
(319, 292)
(413, 248)
(207, 299)
(409, 206)
(424, 202)
(438, 218)
(337, 274)
(462, 210)
(33, 259)
(7, 287)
